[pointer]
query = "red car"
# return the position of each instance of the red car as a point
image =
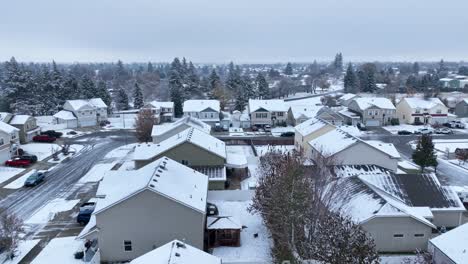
(43, 138)
(17, 162)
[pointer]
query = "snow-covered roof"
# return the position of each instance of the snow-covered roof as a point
(188, 121)
(200, 105)
(176, 252)
(222, 222)
(346, 112)
(380, 102)
(97, 102)
(421, 103)
(305, 111)
(454, 244)
(80, 103)
(157, 104)
(310, 126)
(65, 115)
(19, 119)
(4, 115)
(347, 96)
(388, 148)
(333, 142)
(7, 128)
(344, 171)
(190, 135)
(163, 176)
(273, 105)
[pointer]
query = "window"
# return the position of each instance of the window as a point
(212, 115)
(418, 111)
(1, 141)
(280, 113)
(419, 235)
(261, 115)
(185, 162)
(398, 235)
(403, 116)
(127, 245)
(439, 111)
(370, 113)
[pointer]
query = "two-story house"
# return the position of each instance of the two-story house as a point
(164, 111)
(89, 112)
(373, 111)
(27, 126)
(422, 111)
(205, 110)
(267, 112)
(9, 137)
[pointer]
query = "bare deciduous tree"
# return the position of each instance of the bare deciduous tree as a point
(144, 125)
(11, 227)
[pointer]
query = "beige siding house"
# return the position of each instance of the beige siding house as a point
(163, 111)
(9, 139)
(147, 208)
(267, 112)
(422, 111)
(27, 126)
(309, 130)
(373, 111)
(298, 114)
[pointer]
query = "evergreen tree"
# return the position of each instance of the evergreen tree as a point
(15, 89)
(272, 73)
(262, 87)
(193, 80)
(248, 88)
(233, 81)
(121, 100)
(137, 97)
(338, 63)
(289, 69)
(176, 87)
(424, 154)
(150, 67)
(463, 70)
(87, 88)
(216, 88)
(415, 68)
(350, 80)
(103, 93)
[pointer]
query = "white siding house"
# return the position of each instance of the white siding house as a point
(205, 110)
(9, 140)
(267, 112)
(423, 111)
(88, 112)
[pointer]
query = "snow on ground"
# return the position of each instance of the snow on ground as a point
(18, 183)
(41, 150)
(60, 250)
(443, 145)
(125, 121)
(395, 129)
(307, 101)
(23, 249)
(96, 173)
(252, 249)
(262, 150)
(396, 259)
(47, 212)
(73, 148)
(277, 131)
(7, 172)
(459, 163)
(121, 152)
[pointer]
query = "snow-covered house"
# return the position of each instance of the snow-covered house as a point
(297, 114)
(400, 211)
(345, 99)
(89, 112)
(66, 118)
(146, 208)
(164, 111)
(461, 108)
(27, 126)
(191, 147)
(374, 111)
(9, 139)
(329, 115)
(450, 247)
(205, 110)
(308, 130)
(267, 112)
(349, 117)
(176, 252)
(423, 111)
(240, 119)
(346, 149)
(163, 132)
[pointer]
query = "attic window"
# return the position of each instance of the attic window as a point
(128, 245)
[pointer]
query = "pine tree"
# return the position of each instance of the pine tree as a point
(233, 81)
(289, 69)
(424, 154)
(150, 67)
(15, 89)
(350, 80)
(87, 88)
(176, 87)
(415, 68)
(121, 100)
(193, 80)
(338, 63)
(262, 87)
(103, 93)
(216, 89)
(137, 97)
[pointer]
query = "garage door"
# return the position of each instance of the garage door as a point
(372, 123)
(4, 155)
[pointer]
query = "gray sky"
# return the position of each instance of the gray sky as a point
(238, 30)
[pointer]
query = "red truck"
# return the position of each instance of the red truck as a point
(18, 162)
(44, 138)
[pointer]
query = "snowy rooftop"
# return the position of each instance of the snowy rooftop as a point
(65, 115)
(309, 126)
(366, 102)
(157, 104)
(4, 115)
(93, 102)
(176, 252)
(187, 121)
(222, 222)
(190, 135)
(356, 170)
(348, 113)
(200, 105)
(454, 244)
(305, 111)
(347, 96)
(415, 102)
(7, 128)
(333, 142)
(163, 176)
(97, 102)
(388, 148)
(19, 119)
(274, 105)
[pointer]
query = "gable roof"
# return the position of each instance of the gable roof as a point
(348, 96)
(305, 111)
(454, 244)
(273, 105)
(190, 135)
(19, 119)
(222, 222)
(157, 104)
(187, 120)
(7, 128)
(200, 105)
(310, 126)
(343, 171)
(333, 142)
(97, 102)
(388, 148)
(80, 103)
(163, 176)
(65, 115)
(328, 111)
(176, 252)
(366, 102)
(415, 102)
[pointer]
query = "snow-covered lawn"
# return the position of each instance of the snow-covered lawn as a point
(121, 152)
(18, 183)
(262, 150)
(459, 163)
(41, 150)
(96, 173)
(277, 131)
(396, 259)
(7, 172)
(307, 101)
(443, 145)
(48, 212)
(60, 250)
(75, 148)
(126, 121)
(252, 249)
(395, 129)
(23, 249)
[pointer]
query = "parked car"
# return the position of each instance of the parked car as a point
(361, 126)
(287, 134)
(211, 209)
(424, 131)
(52, 133)
(443, 130)
(17, 162)
(225, 128)
(457, 124)
(44, 138)
(86, 210)
(254, 128)
(404, 132)
(267, 128)
(31, 158)
(34, 179)
(71, 132)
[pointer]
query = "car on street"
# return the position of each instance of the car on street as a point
(52, 133)
(71, 132)
(31, 158)
(444, 131)
(404, 132)
(287, 134)
(454, 124)
(17, 162)
(44, 138)
(267, 128)
(86, 210)
(34, 179)
(424, 131)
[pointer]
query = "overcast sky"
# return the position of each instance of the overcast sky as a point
(237, 30)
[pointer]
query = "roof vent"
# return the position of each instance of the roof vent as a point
(155, 180)
(152, 185)
(180, 245)
(177, 254)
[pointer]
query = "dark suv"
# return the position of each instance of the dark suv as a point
(86, 210)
